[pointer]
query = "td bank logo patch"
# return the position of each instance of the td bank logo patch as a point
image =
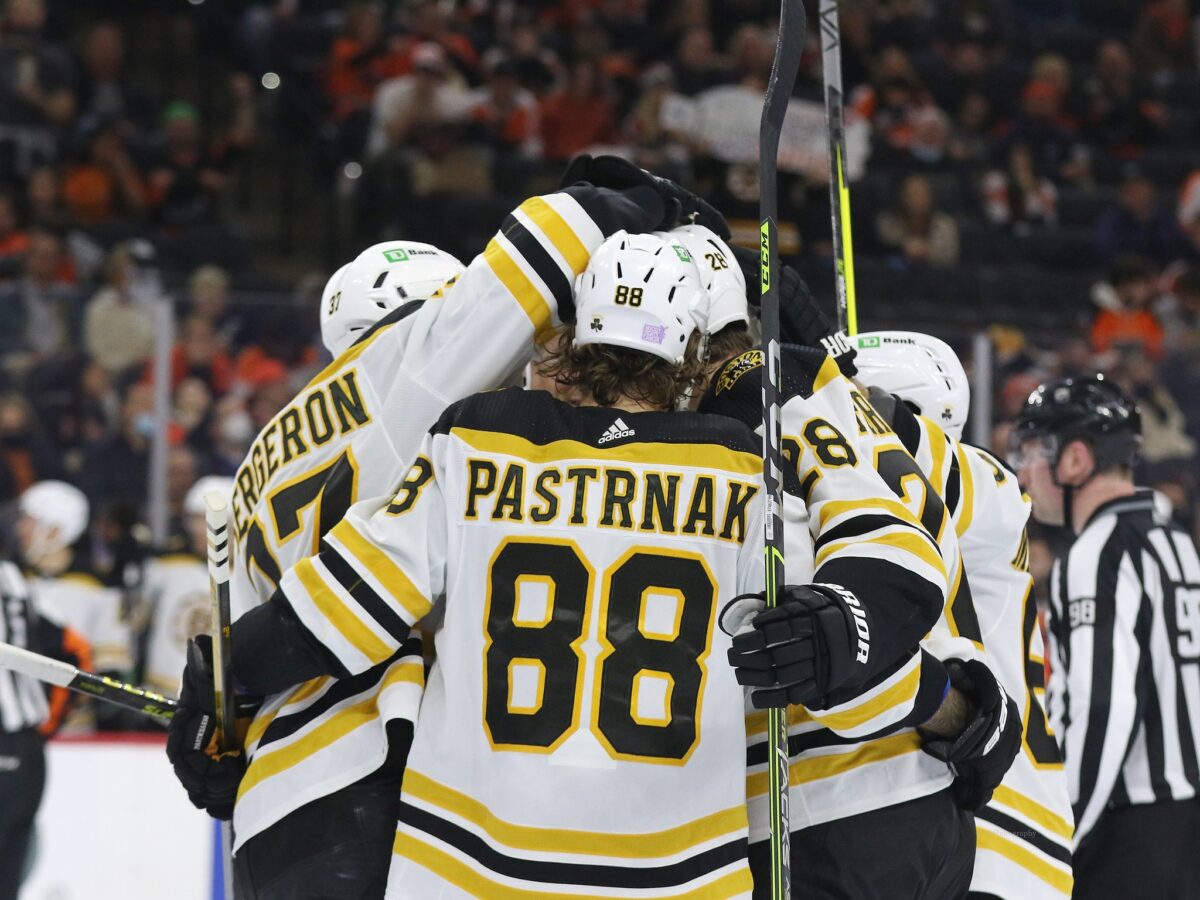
(399, 254)
(867, 343)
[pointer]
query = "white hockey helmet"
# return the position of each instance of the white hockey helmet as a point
(60, 512)
(642, 292)
(919, 369)
(375, 282)
(193, 503)
(720, 272)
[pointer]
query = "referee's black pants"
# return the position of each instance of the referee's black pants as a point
(920, 850)
(22, 779)
(337, 847)
(1146, 852)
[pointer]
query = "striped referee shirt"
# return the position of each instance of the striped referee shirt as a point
(22, 700)
(1124, 695)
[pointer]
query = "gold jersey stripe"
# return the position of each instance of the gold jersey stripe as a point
(986, 839)
(909, 542)
(335, 611)
(529, 297)
(562, 235)
(711, 457)
(262, 721)
(340, 724)
(828, 372)
(902, 692)
(832, 508)
(647, 845)
(379, 564)
(472, 882)
(937, 451)
(1031, 809)
(967, 494)
(813, 768)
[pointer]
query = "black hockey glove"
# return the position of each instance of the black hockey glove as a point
(801, 319)
(682, 206)
(211, 778)
(981, 755)
(816, 640)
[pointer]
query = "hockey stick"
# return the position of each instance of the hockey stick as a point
(54, 671)
(218, 577)
(216, 519)
(788, 49)
(839, 191)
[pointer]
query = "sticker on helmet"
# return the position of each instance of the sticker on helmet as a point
(681, 252)
(866, 342)
(399, 254)
(654, 333)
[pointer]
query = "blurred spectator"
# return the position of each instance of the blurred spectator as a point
(359, 61)
(423, 110)
(579, 116)
(1181, 370)
(26, 456)
(1121, 116)
(190, 411)
(188, 176)
(504, 115)
(1189, 210)
(1051, 138)
(1019, 195)
(208, 298)
(199, 354)
(41, 313)
(1164, 39)
(14, 240)
(115, 469)
(118, 328)
(928, 148)
(914, 230)
(43, 198)
(972, 138)
(696, 65)
(538, 66)
(1164, 435)
(888, 102)
(1138, 223)
(1125, 319)
(35, 89)
(230, 434)
(105, 186)
(103, 90)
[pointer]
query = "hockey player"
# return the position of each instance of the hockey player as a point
(580, 729)
(53, 519)
(349, 435)
(175, 591)
(1124, 693)
(1023, 835)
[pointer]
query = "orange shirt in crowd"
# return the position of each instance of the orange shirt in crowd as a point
(1110, 328)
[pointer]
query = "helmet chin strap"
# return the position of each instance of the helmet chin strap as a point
(1068, 490)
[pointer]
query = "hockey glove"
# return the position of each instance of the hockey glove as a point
(981, 755)
(816, 640)
(210, 777)
(801, 319)
(682, 206)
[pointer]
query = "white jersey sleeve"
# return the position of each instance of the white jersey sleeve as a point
(176, 587)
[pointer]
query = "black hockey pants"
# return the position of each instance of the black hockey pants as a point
(920, 850)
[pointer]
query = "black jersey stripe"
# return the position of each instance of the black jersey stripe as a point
(861, 525)
(545, 872)
(364, 595)
(538, 258)
(288, 724)
(1026, 833)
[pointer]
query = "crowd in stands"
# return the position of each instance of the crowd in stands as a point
(1024, 164)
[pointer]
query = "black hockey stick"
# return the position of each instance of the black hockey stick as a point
(788, 49)
(217, 520)
(54, 671)
(839, 191)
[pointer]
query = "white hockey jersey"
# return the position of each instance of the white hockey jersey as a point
(349, 436)
(176, 591)
(855, 533)
(1023, 836)
(581, 733)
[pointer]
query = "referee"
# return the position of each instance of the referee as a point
(23, 708)
(1125, 645)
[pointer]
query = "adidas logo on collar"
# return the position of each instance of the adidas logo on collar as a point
(617, 429)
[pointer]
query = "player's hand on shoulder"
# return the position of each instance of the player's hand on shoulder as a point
(982, 752)
(814, 641)
(211, 778)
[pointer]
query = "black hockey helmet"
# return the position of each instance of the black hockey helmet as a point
(1092, 409)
